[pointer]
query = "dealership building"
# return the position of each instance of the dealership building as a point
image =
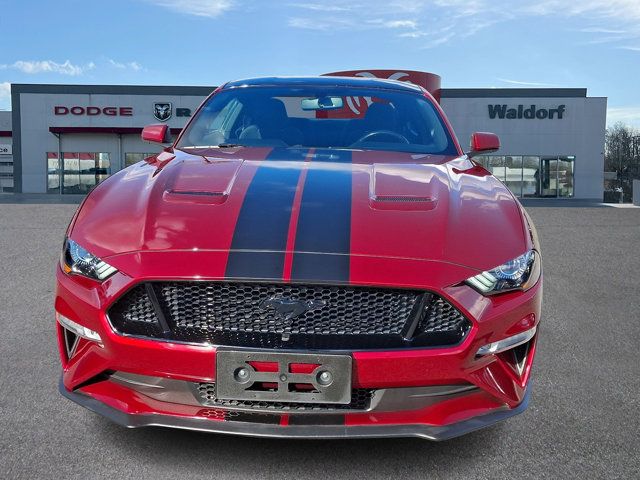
(65, 139)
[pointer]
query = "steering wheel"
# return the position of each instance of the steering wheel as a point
(381, 133)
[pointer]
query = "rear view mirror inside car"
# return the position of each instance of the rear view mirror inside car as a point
(322, 103)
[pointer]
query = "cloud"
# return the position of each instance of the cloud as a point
(463, 8)
(628, 10)
(431, 22)
(319, 7)
(628, 115)
(400, 24)
(525, 84)
(48, 66)
(5, 90)
(200, 8)
(306, 23)
(135, 66)
(610, 31)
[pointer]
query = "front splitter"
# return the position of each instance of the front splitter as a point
(430, 432)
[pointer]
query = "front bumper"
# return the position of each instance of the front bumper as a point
(429, 432)
(500, 389)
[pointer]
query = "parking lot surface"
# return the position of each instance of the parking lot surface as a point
(583, 420)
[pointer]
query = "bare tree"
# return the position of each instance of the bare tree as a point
(622, 155)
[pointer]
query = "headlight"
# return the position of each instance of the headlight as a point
(76, 259)
(521, 273)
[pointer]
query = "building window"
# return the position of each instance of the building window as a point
(53, 173)
(532, 176)
(78, 172)
(131, 158)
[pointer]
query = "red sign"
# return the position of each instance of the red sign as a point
(356, 107)
(430, 81)
(94, 111)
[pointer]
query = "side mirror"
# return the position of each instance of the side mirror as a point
(483, 142)
(158, 133)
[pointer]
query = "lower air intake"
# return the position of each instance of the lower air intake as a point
(360, 400)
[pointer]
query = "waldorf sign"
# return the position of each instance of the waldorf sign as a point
(528, 112)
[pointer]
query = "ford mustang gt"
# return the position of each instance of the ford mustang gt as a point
(290, 266)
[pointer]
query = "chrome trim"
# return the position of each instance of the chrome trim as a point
(507, 343)
(77, 329)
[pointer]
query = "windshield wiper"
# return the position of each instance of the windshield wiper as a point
(229, 145)
(220, 145)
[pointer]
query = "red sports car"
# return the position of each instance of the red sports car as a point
(288, 267)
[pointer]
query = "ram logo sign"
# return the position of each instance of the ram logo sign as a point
(162, 111)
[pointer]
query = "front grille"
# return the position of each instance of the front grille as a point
(360, 400)
(248, 315)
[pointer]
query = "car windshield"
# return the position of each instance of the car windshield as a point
(320, 117)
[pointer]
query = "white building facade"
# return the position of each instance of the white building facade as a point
(65, 139)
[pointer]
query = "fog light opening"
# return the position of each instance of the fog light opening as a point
(72, 332)
(71, 341)
(519, 356)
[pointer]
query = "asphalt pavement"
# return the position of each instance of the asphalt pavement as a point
(583, 420)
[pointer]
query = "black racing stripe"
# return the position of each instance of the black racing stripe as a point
(263, 222)
(324, 224)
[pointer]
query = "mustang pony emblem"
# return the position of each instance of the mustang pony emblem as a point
(288, 308)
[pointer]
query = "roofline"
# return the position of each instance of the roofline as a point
(201, 91)
(512, 92)
(315, 80)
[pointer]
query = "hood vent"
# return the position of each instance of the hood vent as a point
(403, 187)
(192, 196)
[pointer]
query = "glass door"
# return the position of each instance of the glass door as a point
(549, 177)
(556, 179)
(82, 171)
(513, 174)
(530, 176)
(565, 177)
(53, 173)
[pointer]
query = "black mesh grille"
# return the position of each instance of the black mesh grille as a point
(441, 317)
(332, 317)
(360, 400)
(135, 314)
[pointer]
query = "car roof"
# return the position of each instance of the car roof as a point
(326, 81)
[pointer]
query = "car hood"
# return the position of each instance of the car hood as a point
(305, 209)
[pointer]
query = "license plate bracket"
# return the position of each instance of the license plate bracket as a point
(239, 376)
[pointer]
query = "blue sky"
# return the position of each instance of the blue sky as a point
(476, 43)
